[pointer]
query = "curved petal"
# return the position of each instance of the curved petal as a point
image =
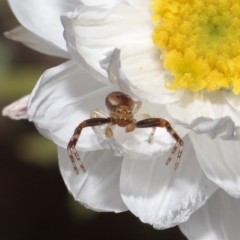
(142, 5)
(91, 66)
(224, 127)
(116, 75)
(101, 2)
(18, 109)
(35, 42)
(42, 17)
(98, 187)
(233, 100)
(218, 219)
(161, 196)
(92, 33)
(219, 160)
(203, 104)
(63, 97)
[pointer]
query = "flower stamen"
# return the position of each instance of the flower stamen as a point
(200, 42)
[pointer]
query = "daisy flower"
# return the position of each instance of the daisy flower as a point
(181, 59)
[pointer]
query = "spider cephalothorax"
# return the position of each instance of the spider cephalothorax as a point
(122, 110)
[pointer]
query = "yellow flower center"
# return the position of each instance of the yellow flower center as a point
(200, 42)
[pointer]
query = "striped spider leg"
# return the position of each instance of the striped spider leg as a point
(72, 152)
(159, 122)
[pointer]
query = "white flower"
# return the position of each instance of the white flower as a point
(132, 175)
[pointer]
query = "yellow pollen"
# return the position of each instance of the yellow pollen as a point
(200, 43)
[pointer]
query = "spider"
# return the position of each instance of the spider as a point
(122, 110)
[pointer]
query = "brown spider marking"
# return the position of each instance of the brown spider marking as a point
(122, 109)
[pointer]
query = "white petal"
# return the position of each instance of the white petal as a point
(35, 42)
(84, 58)
(209, 109)
(63, 97)
(98, 187)
(218, 219)
(99, 30)
(152, 91)
(162, 196)
(142, 5)
(224, 128)
(101, 2)
(18, 109)
(233, 100)
(42, 17)
(220, 161)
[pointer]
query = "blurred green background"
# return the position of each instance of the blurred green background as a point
(34, 202)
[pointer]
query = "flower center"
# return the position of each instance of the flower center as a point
(200, 42)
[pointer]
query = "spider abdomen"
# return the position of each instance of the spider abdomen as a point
(116, 99)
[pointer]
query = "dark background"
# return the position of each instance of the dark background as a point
(34, 202)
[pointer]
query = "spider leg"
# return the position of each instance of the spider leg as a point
(98, 113)
(179, 156)
(172, 153)
(146, 116)
(138, 105)
(108, 130)
(159, 122)
(72, 152)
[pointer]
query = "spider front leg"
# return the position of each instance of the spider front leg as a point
(147, 116)
(72, 152)
(137, 106)
(99, 113)
(159, 122)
